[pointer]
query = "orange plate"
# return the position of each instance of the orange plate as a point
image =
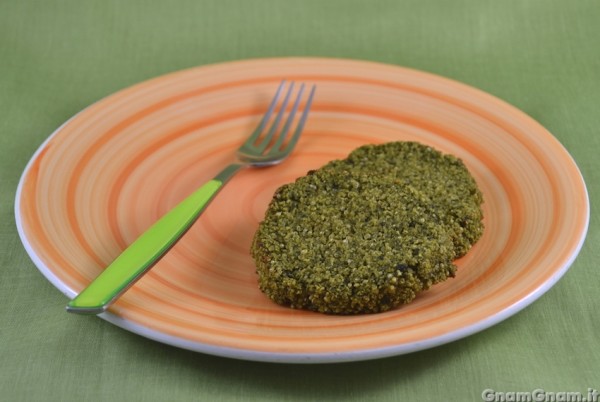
(103, 177)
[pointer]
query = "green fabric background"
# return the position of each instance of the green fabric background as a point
(56, 57)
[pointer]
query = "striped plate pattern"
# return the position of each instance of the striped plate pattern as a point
(103, 177)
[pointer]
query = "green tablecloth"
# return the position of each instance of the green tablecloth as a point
(56, 57)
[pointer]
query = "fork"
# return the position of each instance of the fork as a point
(260, 149)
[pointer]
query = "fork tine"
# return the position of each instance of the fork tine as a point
(273, 129)
(292, 143)
(289, 120)
(261, 126)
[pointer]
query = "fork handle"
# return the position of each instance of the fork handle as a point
(147, 249)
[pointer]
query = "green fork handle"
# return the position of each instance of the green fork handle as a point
(144, 252)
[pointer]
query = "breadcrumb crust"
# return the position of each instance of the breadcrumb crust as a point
(367, 233)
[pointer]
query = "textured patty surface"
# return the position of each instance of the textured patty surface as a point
(367, 233)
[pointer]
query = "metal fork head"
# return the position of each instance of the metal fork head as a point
(269, 147)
